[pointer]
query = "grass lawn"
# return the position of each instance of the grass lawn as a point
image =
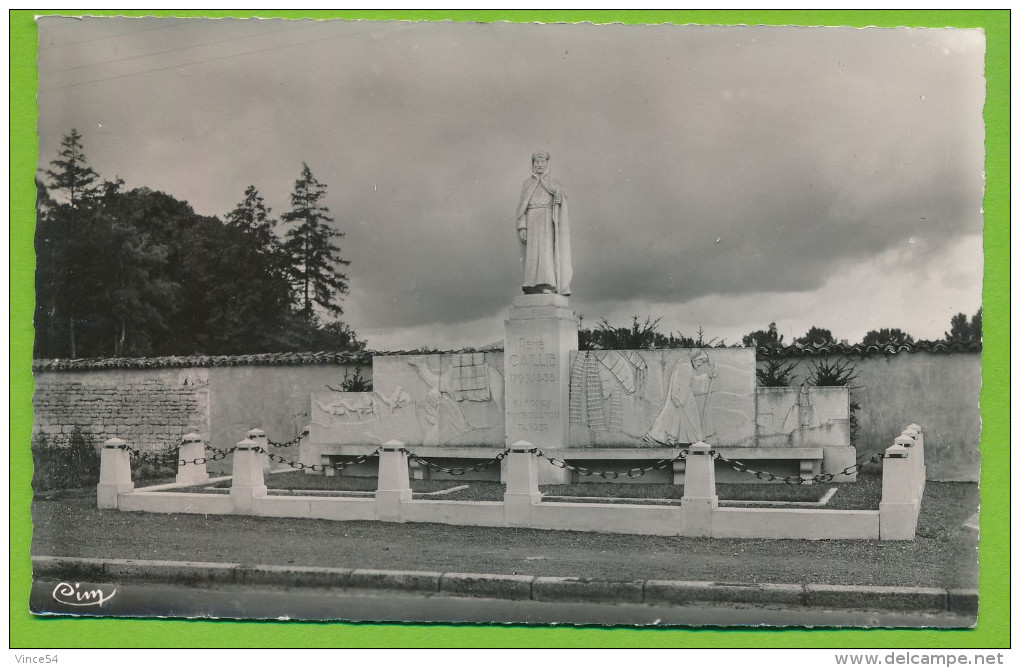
(864, 494)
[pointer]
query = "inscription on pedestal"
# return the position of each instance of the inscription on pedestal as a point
(533, 377)
(540, 334)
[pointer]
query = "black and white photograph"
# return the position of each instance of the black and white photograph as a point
(520, 323)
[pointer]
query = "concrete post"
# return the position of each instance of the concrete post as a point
(908, 439)
(914, 431)
(249, 483)
(699, 501)
(259, 436)
(897, 513)
(521, 485)
(192, 448)
(114, 473)
(394, 487)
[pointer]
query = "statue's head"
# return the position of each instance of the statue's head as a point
(540, 162)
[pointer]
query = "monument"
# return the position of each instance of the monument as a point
(541, 330)
(602, 409)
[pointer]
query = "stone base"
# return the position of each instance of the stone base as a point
(697, 515)
(242, 498)
(388, 503)
(541, 333)
(108, 494)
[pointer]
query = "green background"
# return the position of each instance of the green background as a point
(993, 622)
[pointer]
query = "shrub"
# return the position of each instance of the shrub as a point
(837, 374)
(74, 464)
(775, 374)
(352, 382)
(154, 465)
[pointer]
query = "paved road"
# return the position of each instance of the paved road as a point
(234, 601)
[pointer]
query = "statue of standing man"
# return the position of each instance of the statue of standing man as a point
(543, 228)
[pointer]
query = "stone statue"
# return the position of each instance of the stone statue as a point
(543, 228)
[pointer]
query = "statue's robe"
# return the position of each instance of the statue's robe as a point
(546, 254)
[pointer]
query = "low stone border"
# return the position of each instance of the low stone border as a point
(518, 587)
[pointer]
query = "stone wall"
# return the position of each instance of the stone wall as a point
(148, 408)
(274, 398)
(938, 391)
(153, 407)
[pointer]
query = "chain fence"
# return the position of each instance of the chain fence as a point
(158, 457)
(456, 470)
(301, 466)
(293, 441)
(167, 458)
(610, 475)
(741, 467)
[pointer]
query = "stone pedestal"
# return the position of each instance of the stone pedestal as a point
(699, 501)
(521, 485)
(541, 332)
(898, 508)
(259, 436)
(248, 483)
(394, 487)
(114, 473)
(192, 448)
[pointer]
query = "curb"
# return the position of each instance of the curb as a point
(518, 587)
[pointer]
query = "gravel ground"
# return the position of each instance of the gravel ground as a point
(943, 555)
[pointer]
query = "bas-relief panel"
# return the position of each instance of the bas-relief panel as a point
(789, 416)
(662, 397)
(448, 399)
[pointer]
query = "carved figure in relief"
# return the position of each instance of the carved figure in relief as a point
(365, 408)
(442, 413)
(445, 418)
(362, 410)
(682, 417)
(543, 228)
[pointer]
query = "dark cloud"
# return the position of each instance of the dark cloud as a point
(698, 160)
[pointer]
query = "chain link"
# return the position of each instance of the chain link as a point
(301, 466)
(218, 454)
(160, 458)
(293, 441)
(610, 475)
(455, 471)
(741, 467)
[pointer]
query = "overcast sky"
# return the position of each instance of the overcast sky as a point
(722, 177)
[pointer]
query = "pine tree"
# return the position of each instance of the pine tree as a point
(314, 258)
(252, 218)
(72, 174)
(60, 233)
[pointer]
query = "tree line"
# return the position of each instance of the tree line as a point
(136, 273)
(127, 273)
(645, 334)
